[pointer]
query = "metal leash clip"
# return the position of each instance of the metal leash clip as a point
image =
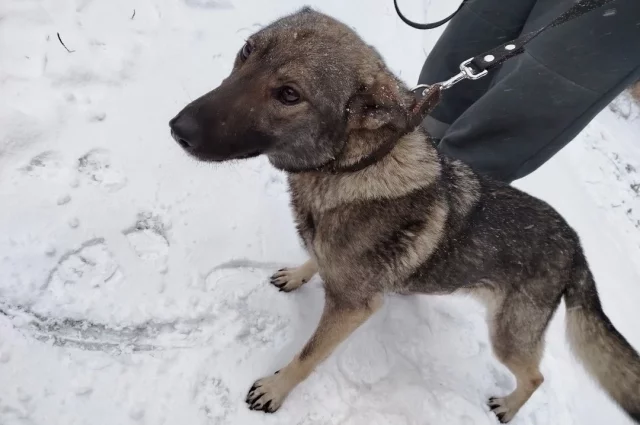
(466, 73)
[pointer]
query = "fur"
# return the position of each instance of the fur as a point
(410, 221)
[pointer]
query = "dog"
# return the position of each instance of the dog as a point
(379, 210)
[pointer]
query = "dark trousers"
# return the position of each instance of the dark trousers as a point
(509, 123)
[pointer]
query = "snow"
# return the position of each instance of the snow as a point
(134, 281)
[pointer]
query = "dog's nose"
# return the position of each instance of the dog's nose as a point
(185, 131)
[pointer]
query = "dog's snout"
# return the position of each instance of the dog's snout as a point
(185, 131)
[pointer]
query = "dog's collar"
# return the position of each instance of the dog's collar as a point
(426, 99)
(383, 150)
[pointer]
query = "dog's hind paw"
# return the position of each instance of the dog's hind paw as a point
(500, 407)
(288, 280)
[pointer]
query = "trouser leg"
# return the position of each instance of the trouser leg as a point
(538, 102)
(480, 25)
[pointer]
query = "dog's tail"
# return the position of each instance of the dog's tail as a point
(604, 352)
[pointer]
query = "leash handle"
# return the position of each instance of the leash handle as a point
(429, 26)
(478, 66)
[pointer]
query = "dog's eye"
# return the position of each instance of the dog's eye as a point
(246, 50)
(288, 96)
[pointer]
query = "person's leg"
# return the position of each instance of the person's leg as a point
(479, 26)
(538, 102)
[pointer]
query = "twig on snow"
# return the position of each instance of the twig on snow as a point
(134, 14)
(63, 45)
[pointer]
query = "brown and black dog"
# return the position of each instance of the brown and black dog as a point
(379, 210)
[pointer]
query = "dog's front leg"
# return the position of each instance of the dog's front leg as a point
(336, 324)
(288, 280)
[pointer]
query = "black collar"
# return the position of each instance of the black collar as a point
(425, 101)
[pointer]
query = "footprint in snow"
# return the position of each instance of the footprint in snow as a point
(214, 399)
(45, 164)
(90, 266)
(364, 359)
(260, 316)
(98, 169)
(148, 239)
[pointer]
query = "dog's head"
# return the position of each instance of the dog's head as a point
(298, 90)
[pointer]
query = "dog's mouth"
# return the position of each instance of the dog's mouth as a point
(205, 153)
(248, 155)
(207, 156)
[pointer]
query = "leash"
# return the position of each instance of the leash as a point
(427, 96)
(477, 67)
(431, 25)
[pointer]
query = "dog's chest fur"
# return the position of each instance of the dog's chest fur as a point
(371, 229)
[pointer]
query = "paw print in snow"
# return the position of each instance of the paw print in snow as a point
(97, 167)
(148, 239)
(214, 399)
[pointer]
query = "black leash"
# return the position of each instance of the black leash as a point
(427, 26)
(478, 66)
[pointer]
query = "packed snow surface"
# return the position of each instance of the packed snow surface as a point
(134, 281)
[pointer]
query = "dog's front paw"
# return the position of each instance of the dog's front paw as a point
(500, 406)
(288, 280)
(267, 394)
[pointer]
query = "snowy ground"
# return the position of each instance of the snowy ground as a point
(133, 281)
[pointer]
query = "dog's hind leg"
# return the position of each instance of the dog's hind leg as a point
(288, 280)
(336, 324)
(517, 328)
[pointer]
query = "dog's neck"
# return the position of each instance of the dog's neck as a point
(363, 149)
(366, 146)
(412, 163)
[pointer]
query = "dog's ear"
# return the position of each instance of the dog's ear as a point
(379, 102)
